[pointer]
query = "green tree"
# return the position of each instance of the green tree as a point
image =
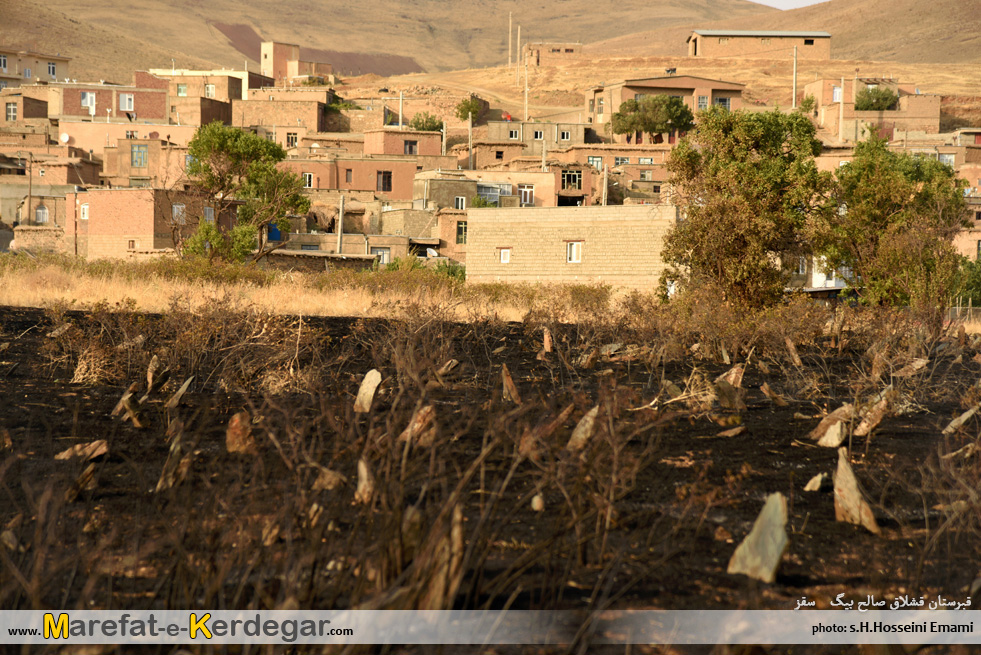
(469, 107)
(653, 115)
(892, 221)
(745, 183)
(233, 167)
(876, 98)
(426, 122)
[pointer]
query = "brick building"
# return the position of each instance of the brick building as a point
(282, 62)
(246, 80)
(144, 163)
(103, 101)
(836, 111)
(759, 44)
(403, 142)
(559, 186)
(20, 110)
(535, 135)
(19, 67)
(284, 121)
(696, 92)
(617, 245)
(389, 178)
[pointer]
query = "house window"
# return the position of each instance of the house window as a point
(188, 160)
(599, 106)
(382, 254)
(131, 244)
(595, 162)
(808, 41)
(565, 135)
(209, 214)
(461, 233)
(11, 111)
(384, 181)
(646, 161)
(512, 134)
(209, 90)
(83, 212)
(131, 134)
(946, 158)
(725, 103)
(505, 257)
(88, 100)
(40, 173)
(499, 154)
(291, 139)
(178, 213)
(460, 202)
(307, 180)
(724, 39)
(801, 266)
(3, 84)
(309, 246)
(977, 255)
(41, 215)
(138, 156)
(836, 94)
(526, 192)
(647, 175)
(126, 101)
(703, 102)
(539, 135)
(348, 175)
(410, 148)
(3, 63)
(52, 69)
(592, 105)
(181, 90)
(27, 73)
(572, 179)
(573, 252)
(620, 161)
(655, 188)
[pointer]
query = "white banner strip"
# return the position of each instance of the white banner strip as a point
(475, 627)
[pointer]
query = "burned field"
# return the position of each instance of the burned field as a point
(536, 465)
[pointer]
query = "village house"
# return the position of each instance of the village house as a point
(617, 245)
(548, 53)
(759, 44)
(20, 110)
(569, 185)
(284, 121)
(138, 162)
(18, 66)
(281, 62)
(696, 92)
(388, 177)
(100, 100)
(195, 99)
(836, 113)
(247, 80)
(535, 136)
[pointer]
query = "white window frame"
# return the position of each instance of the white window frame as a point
(539, 135)
(646, 161)
(723, 102)
(595, 162)
(11, 111)
(178, 213)
(127, 102)
(513, 134)
(27, 73)
(144, 155)
(182, 90)
(3, 63)
(647, 175)
(83, 212)
(87, 99)
(621, 161)
(946, 158)
(703, 102)
(460, 202)
(526, 192)
(505, 256)
(53, 69)
(836, 94)
(209, 90)
(209, 214)
(461, 233)
(383, 255)
(292, 138)
(307, 180)
(573, 252)
(565, 135)
(41, 215)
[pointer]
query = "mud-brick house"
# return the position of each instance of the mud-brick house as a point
(757, 44)
(836, 112)
(144, 163)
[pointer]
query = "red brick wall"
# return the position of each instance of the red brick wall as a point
(392, 142)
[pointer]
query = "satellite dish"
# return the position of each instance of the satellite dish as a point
(431, 252)
(315, 145)
(154, 135)
(65, 138)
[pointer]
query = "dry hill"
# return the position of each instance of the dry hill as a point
(912, 31)
(431, 34)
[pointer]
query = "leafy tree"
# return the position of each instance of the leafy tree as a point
(892, 222)
(746, 183)
(469, 107)
(876, 98)
(234, 166)
(426, 122)
(653, 115)
(478, 202)
(211, 242)
(807, 105)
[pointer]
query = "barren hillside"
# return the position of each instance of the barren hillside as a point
(913, 31)
(421, 35)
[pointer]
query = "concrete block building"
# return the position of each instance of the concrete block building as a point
(618, 245)
(18, 66)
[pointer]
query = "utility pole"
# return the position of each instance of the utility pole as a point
(30, 181)
(509, 40)
(340, 227)
(526, 88)
(443, 140)
(470, 139)
(841, 113)
(605, 182)
(544, 152)
(400, 110)
(517, 57)
(794, 105)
